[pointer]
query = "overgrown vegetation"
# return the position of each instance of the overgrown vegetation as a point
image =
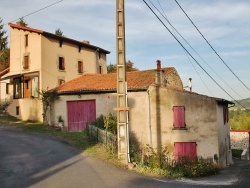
(239, 119)
(237, 153)
(161, 164)
(108, 123)
(48, 97)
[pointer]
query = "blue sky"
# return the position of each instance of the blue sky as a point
(224, 23)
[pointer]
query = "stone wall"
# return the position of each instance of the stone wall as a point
(239, 140)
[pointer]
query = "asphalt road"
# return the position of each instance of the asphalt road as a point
(34, 160)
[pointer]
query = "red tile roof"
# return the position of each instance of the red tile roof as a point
(5, 71)
(107, 82)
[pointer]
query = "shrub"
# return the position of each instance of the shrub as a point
(108, 122)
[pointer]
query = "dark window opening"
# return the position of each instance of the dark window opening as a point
(7, 88)
(80, 67)
(60, 43)
(17, 88)
(17, 110)
(79, 49)
(61, 81)
(100, 69)
(26, 40)
(61, 65)
(26, 62)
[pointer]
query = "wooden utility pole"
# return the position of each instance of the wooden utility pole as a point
(122, 107)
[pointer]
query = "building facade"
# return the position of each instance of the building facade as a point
(161, 113)
(40, 61)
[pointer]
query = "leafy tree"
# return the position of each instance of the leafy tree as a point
(3, 38)
(59, 32)
(129, 67)
(4, 50)
(240, 120)
(22, 22)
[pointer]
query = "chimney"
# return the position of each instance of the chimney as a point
(158, 65)
(158, 76)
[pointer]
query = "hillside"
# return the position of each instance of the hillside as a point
(244, 102)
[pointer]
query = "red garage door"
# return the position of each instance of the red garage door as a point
(80, 113)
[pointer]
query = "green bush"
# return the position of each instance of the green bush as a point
(237, 153)
(162, 165)
(108, 123)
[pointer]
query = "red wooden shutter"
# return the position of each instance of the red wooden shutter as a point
(63, 64)
(185, 150)
(26, 62)
(179, 116)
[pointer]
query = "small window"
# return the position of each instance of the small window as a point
(26, 62)
(80, 67)
(60, 43)
(185, 151)
(100, 69)
(61, 81)
(61, 64)
(179, 117)
(17, 110)
(225, 115)
(7, 88)
(26, 40)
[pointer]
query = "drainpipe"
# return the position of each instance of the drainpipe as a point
(97, 62)
(149, 117)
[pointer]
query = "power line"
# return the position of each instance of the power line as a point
(164, 16)
(211, 46)
(175, 30)
(190, 53)
(38, 10)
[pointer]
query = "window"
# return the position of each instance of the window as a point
(60, 43)
(80, 67)
(17, 88)
(100, 69)
(61, 81)
(225, 114)
(26, 62)
(185, 151)
(17, 110)
(26, 40)
(7, 88)
(61, 64)
(34, 85)
(179, 117)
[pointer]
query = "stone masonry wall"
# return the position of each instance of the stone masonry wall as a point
(239, 140)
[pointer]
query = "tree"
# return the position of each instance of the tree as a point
(240, 120)
(3, 38)
(129, 67)
(4, 50)
(22, 22)
(59, 32)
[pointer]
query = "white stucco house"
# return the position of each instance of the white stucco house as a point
(161, 112)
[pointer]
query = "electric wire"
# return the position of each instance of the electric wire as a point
(165, 17)
(190, 54)
(176, 31)
(37, 10)
(211, 46)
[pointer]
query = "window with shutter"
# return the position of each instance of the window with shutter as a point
(179, 117)
(80, 67)
(185, 151)
(26, 62)
(61, 64)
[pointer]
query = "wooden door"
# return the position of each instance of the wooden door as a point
(80, 114)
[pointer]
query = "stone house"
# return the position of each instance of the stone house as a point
(40, 61)
(161, 112)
